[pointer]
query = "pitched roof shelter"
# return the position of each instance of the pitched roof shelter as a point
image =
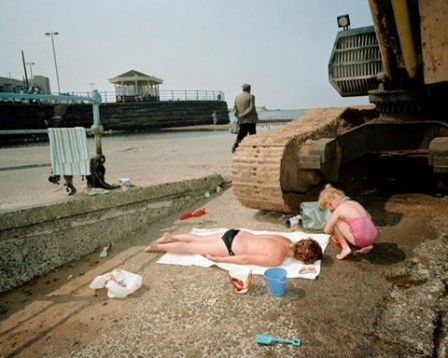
(134, 83)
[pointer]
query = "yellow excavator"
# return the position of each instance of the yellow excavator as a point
(401, 64)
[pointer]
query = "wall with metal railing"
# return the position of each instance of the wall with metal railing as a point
(164, 95)
(23, 113)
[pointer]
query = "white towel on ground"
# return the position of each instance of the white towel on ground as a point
(291, 265)
(68, 151)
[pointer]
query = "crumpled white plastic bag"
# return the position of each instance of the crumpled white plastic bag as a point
(119, 283)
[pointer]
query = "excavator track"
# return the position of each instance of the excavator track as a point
(266, 172)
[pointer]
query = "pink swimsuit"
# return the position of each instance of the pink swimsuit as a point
(363, 230)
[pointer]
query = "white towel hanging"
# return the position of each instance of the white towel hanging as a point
(68, 151)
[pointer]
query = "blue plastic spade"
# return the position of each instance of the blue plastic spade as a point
(268, 339)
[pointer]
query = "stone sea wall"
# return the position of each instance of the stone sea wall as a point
(114, 116)
(37, 240)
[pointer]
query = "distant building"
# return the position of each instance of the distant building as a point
(11, 85)
(15, 86)
(134, 86)
(43, 83)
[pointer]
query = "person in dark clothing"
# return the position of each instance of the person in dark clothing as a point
(246, 114)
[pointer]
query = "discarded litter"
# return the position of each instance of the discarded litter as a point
(104, 251)
(293, 222)
(336, 242)
(125, 183)
(96, 191)
(240, 279)
(192, 214)
(119, 283)
(268, 339)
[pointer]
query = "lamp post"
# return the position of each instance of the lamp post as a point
(51, 34)
(31, 71)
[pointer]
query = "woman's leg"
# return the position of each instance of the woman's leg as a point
(185, 243)
(167, 237)
(210, 246)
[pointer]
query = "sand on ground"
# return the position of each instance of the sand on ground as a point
(193, 312)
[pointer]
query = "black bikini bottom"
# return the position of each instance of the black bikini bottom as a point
(228, 237)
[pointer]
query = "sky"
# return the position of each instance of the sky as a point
(280, 47)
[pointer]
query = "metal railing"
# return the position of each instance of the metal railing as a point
(163, 95)
(94, 98)
(45, 98)
(112, 97)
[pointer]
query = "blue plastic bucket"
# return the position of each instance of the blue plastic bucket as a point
(276, 280)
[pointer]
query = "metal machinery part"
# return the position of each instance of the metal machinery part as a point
(400, 63)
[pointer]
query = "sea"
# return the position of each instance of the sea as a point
(271, 116)
(275, 115)
(268, 116)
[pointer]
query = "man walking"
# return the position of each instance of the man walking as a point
(246, 115)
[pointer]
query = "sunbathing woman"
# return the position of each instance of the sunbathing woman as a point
(349, 222)
(240, 247)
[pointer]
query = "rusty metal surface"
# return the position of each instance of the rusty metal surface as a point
(265, 167)
(434, 33)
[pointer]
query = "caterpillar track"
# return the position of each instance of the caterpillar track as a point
(266, 171)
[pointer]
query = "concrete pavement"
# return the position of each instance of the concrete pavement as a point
(391, 302)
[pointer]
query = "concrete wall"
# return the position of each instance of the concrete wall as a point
(37, 240)
(164, 114)
(24, 115)
(114, 116)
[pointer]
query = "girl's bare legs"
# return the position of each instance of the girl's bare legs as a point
(364, 250)
(344, 236)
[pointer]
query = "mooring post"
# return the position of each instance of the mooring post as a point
(97, 128)
(96, 179)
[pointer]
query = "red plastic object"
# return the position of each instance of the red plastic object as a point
(192, 214)
(238, 284)
(336, 242)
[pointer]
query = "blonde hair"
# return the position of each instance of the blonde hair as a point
(328, 194)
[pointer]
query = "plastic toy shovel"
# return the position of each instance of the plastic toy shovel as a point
(268, 339)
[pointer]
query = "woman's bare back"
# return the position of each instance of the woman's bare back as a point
(246, 243)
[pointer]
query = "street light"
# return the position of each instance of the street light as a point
(54, 55)
(31, 71)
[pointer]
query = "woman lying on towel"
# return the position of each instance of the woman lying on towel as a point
(240, 247)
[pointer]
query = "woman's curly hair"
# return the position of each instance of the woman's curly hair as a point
(307, 250)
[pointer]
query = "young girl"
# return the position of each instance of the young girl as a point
(349, 222)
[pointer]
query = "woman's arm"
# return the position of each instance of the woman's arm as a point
(262, 260)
